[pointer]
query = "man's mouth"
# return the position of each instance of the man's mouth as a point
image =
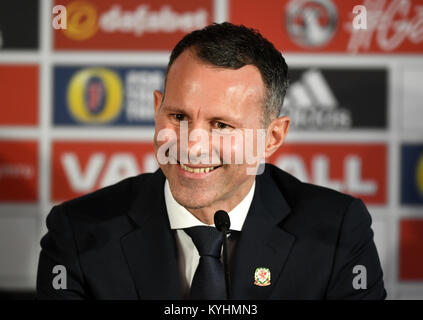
(198, 169)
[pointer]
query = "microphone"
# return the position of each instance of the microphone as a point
(223, 223)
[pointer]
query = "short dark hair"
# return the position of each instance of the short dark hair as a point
(231, 46)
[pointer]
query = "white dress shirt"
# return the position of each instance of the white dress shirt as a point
(180, 218)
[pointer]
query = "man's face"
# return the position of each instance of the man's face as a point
(213, 99)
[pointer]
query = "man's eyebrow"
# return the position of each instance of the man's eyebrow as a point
(172, 108)
(224, 117)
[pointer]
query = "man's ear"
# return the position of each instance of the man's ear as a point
(158, 97)
(276, 133)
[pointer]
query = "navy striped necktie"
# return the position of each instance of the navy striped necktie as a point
(208, 282)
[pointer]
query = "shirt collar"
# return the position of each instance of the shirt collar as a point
(181, 218)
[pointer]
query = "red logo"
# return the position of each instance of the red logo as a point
(18, 171)
(82, 167)
(393, 26)
(19, 95)
(411, 248)
(129, 25)
(356, 169)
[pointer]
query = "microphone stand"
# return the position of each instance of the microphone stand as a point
(225, 262)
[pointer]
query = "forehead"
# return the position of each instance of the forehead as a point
(192, 82)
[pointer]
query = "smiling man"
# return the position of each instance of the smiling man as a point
(153, 236)
(218, 100)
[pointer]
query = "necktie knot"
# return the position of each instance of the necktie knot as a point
(207, 240)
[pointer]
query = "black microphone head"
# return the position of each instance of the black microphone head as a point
(221, 220)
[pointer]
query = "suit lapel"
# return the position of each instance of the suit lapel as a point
(151, 253)
(150, 249)
(262, 242)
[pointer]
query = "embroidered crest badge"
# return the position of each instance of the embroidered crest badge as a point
(262, 277)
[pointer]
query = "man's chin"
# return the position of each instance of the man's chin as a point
(193, 202)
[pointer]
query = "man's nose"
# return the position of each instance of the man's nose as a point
(197, 142)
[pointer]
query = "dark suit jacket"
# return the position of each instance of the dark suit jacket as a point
(116, 243)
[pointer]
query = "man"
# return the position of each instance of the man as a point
(151, 236)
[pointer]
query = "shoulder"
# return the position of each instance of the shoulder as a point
(312, 205)
(298, 193)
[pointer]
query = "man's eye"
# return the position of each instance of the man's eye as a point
(221, 125)
(179, 116)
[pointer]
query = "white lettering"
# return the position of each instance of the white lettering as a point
(120, 166)
(360, 280)
(391, 25)
(59, 281)
(354, 181)
(59, 21)
(360, 20)
(78, 180)
(143, 20)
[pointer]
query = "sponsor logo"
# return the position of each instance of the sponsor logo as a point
(412, 174)
(311, 23)
(82, 20)
(18, 171)
(359, 170)
(322, 99)
(95, 95)
(411, 248)
(110, 24)
(82, 167)
(391, 26)
(143, 19)
(18, 108)
(106, 96)
(311, 104)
